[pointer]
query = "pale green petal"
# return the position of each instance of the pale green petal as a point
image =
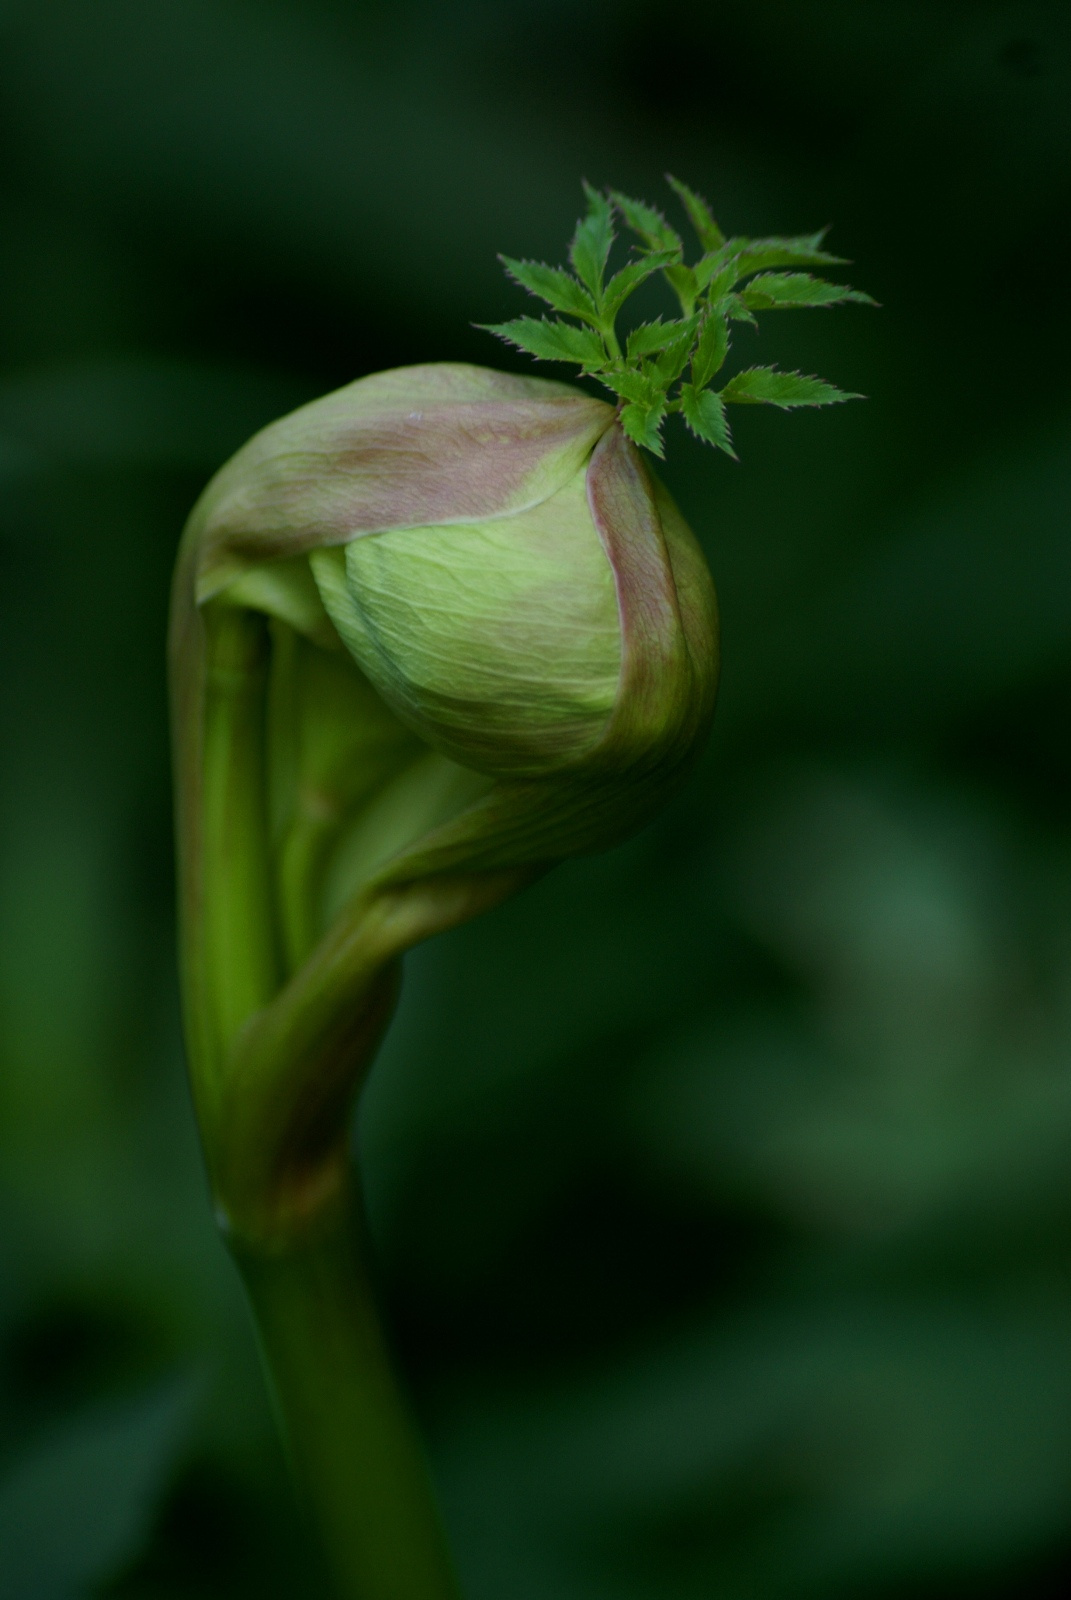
(499, 641)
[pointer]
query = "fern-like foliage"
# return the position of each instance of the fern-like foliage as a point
(671, 366)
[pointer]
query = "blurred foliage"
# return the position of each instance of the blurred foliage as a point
(720, 1184)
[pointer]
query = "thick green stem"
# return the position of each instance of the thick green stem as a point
(232, 960)
(275, 1066)
(353, 1447)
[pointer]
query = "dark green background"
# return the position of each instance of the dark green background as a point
(721, 1184)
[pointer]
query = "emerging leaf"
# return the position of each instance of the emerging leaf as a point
(674, 358)
(650, 224)
(805, 250)
(643, 424)
(732, 280)
(559, 289)
(594, 235)
(707, 231)
(766, 386)
(551, 341)
(651, 337)
(711, 349)
(637, 383)
(704, 414)
(782, 291)
(735, 309)
(717, 274)
(682, 280)
(622, 284)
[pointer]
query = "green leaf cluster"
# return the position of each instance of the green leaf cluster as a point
(671, 366)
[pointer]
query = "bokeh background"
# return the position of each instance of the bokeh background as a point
(721, 1185)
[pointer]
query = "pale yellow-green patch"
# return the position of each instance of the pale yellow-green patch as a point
(285, 590)
(498, 641)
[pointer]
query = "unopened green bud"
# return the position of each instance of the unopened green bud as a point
(431, 634)
(498, 641)
(504, 571)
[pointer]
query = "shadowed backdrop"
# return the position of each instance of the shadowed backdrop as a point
(721, 1184)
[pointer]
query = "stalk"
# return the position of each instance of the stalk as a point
(275, 1068)
(353, 1448)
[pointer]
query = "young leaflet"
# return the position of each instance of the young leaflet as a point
(671, 366)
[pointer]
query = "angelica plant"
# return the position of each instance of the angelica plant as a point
(430, 635)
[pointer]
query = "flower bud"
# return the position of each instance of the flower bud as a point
(497, 640)
(499, 563)
(430, 635)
